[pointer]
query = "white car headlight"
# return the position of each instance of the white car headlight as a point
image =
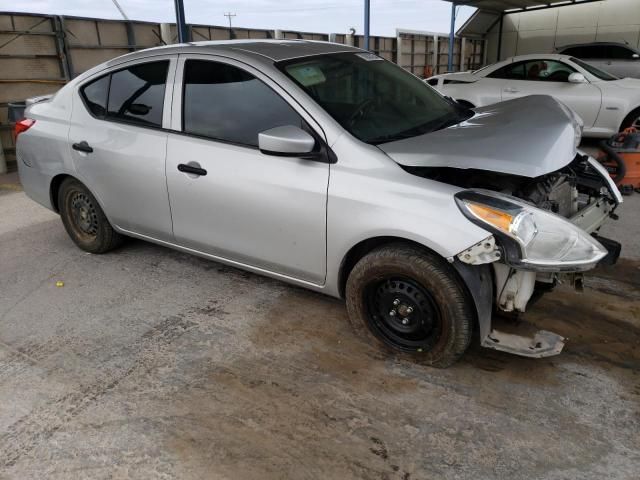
(532, 238)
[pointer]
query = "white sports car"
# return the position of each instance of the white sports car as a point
(605, 103)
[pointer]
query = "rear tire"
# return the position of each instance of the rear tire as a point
(631, 120)
(411, 302)
(84, 220)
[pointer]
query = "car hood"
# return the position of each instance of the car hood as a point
(528, 136)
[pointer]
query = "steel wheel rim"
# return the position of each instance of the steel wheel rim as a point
(84, 217)
(403, 314)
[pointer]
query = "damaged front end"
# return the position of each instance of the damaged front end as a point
(543, 232)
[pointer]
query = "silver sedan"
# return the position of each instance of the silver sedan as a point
(328, 167)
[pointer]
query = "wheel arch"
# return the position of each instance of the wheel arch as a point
(54, 188)
(477, 281)
(635, 111)
(363, 247)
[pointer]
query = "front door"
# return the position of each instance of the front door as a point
(551, 77)
(260, 210)
(118, 145)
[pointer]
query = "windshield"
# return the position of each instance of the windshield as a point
(596, 72)
(374, 100)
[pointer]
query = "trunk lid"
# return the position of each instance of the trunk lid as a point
(529, 136)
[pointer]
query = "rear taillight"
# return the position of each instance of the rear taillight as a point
(22, 126)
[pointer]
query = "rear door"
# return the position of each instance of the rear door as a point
(118, 144)
(551, 77)
(260, 210)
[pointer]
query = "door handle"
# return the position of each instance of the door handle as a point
(83, 146)
(186, 168)
(511, 90)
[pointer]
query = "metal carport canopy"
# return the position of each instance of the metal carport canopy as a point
(513, 6)
(500, 8)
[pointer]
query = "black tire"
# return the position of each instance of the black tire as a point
(631, 120)
(399, 276)
(84, 220)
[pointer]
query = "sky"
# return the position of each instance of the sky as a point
(328, 16)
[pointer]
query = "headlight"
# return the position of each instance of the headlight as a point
(531, 237)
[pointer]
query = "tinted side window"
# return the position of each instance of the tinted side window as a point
(500, 73)
(619, 53)
(137, 93)
(573, 51)
(548, 71)
(515, 71)
(95, 96)
(580, 52)
(595, 51)
(226, 103)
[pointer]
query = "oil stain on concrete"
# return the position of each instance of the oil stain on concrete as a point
(153, 364)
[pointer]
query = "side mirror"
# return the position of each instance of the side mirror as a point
(286, 141)
(139, 109)
(576, 77)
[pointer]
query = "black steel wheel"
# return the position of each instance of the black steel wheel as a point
(83, 213)
(412, 302)
(404, 314)
(84, 220)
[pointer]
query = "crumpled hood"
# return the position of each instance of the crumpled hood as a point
(528, 136)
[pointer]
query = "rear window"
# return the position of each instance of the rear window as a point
(133, 95)
(513, 71)
(95, 96)
(136, 94)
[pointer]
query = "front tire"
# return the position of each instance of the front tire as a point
(84, 220)
(411, 302)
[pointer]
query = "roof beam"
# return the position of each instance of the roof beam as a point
(516, 6)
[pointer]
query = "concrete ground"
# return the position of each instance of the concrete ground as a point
(149, 363)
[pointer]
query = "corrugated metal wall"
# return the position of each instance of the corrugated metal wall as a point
(426, 54)
(40, 53)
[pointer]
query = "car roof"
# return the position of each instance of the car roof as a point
(535, 56)
(274, 50)
(590, 44)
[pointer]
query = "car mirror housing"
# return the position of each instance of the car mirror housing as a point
(286, 141)
(576, 77)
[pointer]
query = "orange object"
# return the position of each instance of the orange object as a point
(497, 218)
(626, 145)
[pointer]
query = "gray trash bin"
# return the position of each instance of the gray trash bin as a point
(16, 111)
